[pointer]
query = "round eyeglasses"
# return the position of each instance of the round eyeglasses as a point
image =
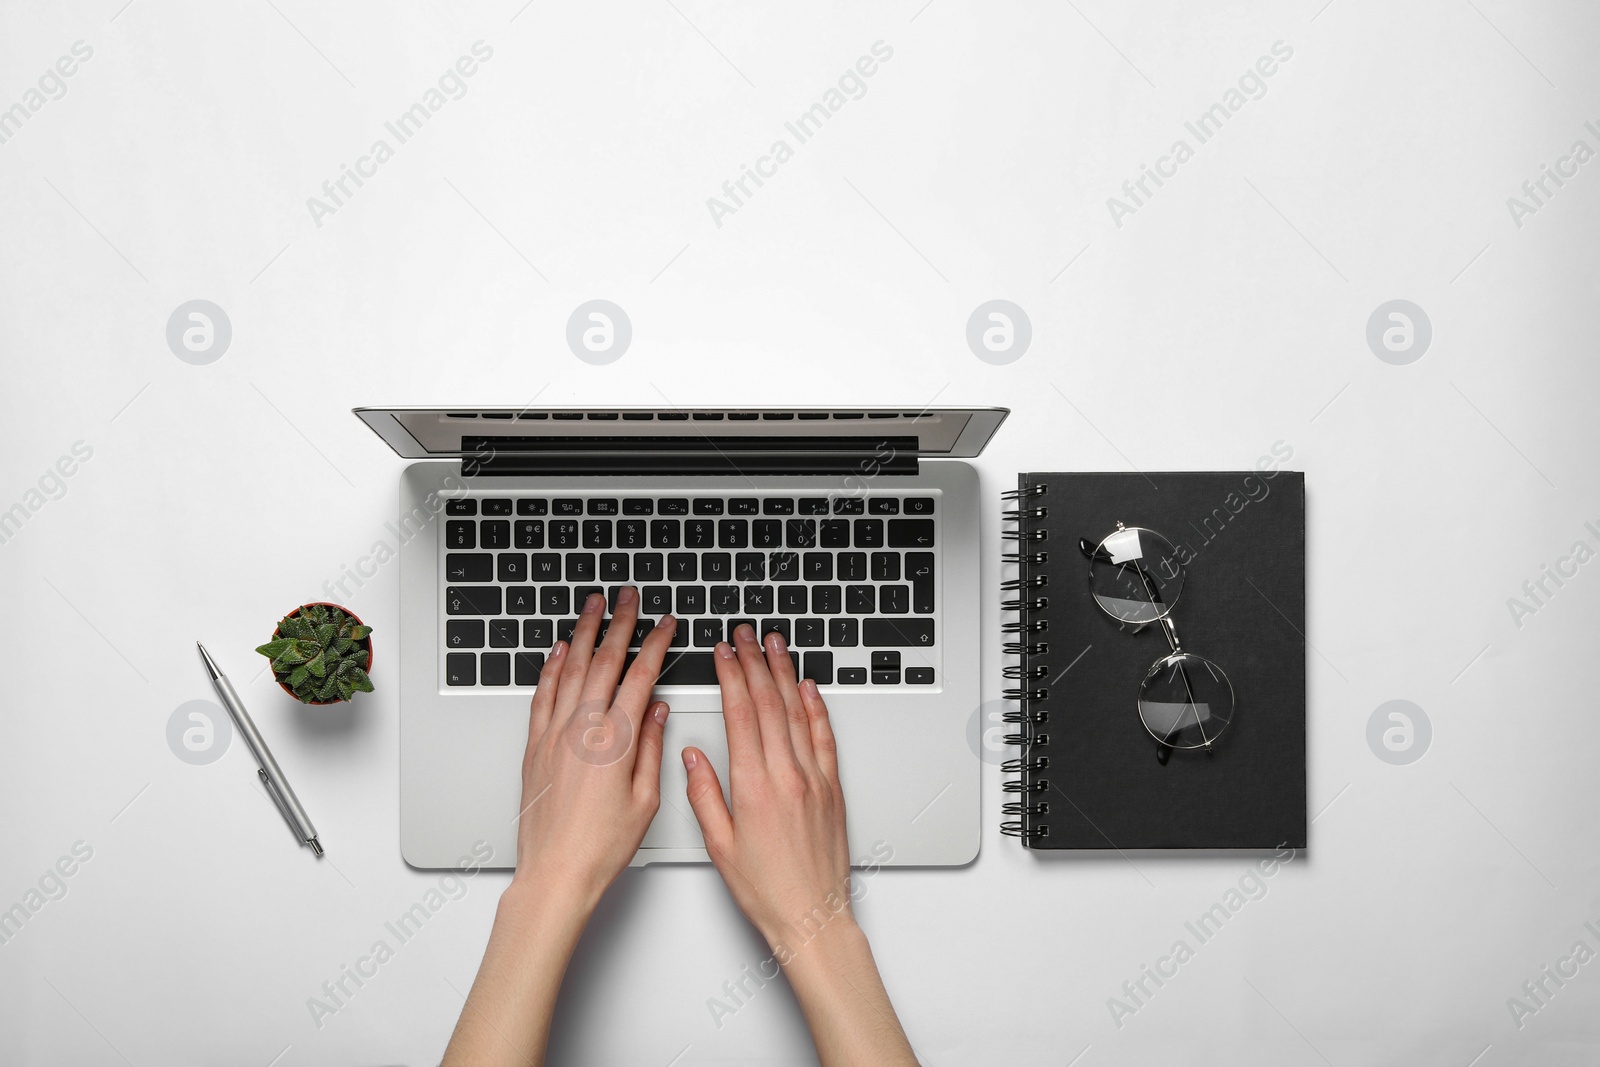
(1185, 700)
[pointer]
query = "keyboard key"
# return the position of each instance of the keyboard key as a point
(919, 505)
(497, 506)
(724, 599)
(504, 633)
(461, 507)
(536, 633)
(528, 666)
(894, 599)
(809, 633)
(469, 567)
(767, 533)
(733, 533)
(919, 675)
(817, 566)
(813, 505)
(512, 566)
(461, 533)
(886, 677)
(777, 505)
(681, 567)
(612, 592)
(631, 533)
(750, 567)
(744, 505)
(567, 506)
(580, 595)
(673, 505)
(691, 600)
(461, 668)
(847, 506)
(496, 533)
(869, 533)
(886, 566)
(825, 600)
(638, 506)
(613, 566)
(859, 599)
(883, 505)
(792, 600)
(704, 505)
(544, 567)
(758, 599)
(472, 600)
(597, 533)
(521, 600)
(688, 668)
(463, 633)
(835, 533)
(819, 667)
(910, 533)
(777, 626)
(716, 567)
(563, 533)
(896, 633)
(680, 636)
(564, 628)
(647, 566)
(734, 624)
(852, 566)
(602, 506)
(580, 566)
(555, 600)
(665, 533)
(852, 676)
(529, 533)
(783, 567)
(641, 630)
(533, 507)
(707, 632)
(699, 533)
(655, 599)
(844, 633)
(884, 660)
(496, 668)
(800, 533)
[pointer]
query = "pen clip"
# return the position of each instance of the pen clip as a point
(278, 802)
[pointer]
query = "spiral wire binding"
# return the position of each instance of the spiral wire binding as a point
(1023, 814)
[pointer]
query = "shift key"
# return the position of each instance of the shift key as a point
(896, 633)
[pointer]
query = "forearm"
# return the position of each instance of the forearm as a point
(836, 981)
(507, 1015)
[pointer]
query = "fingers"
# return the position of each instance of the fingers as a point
(738, 711)
(579, 654)
(544, 697)
(770, 713)
(647, 766)
(822, 743)
(634, 693)
(795, 717)
(600, 683)
(705, 797)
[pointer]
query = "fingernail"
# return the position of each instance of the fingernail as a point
(666, 620)
(594, 602)
(559, 651)
(660, 715)
(690, 759)
(744, 632)
(775, 641)
(724, 650)
(627, 595)
(810, 686)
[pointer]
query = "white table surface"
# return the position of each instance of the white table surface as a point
(1226, 314)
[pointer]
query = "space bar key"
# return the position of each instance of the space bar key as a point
(896, 633)
(687, 668)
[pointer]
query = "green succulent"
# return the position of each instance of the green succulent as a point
(320, 654)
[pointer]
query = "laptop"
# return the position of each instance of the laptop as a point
(852, 531)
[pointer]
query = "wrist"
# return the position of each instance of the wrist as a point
(558, 913)
(809, 947)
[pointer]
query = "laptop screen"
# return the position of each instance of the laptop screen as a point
(420, 433)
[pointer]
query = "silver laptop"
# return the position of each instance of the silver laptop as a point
(854, 532)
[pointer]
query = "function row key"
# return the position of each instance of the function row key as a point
(497, 506)
(530, 506)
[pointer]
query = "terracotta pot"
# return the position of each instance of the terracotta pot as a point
(365, 642)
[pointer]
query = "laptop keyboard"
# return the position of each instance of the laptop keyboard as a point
(850, 582)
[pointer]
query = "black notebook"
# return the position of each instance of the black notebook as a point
(1094, 771)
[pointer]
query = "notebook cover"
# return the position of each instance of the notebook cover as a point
(1242, 607)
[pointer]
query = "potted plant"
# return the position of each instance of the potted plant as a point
(321, 654)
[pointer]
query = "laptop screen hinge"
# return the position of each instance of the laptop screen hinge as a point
(893, 456)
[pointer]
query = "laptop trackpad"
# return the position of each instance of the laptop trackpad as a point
(675, 825)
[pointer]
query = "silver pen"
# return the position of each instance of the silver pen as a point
(271, 774)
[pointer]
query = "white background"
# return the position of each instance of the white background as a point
(1228, 313)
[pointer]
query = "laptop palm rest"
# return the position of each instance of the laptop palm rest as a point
(675, 825)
